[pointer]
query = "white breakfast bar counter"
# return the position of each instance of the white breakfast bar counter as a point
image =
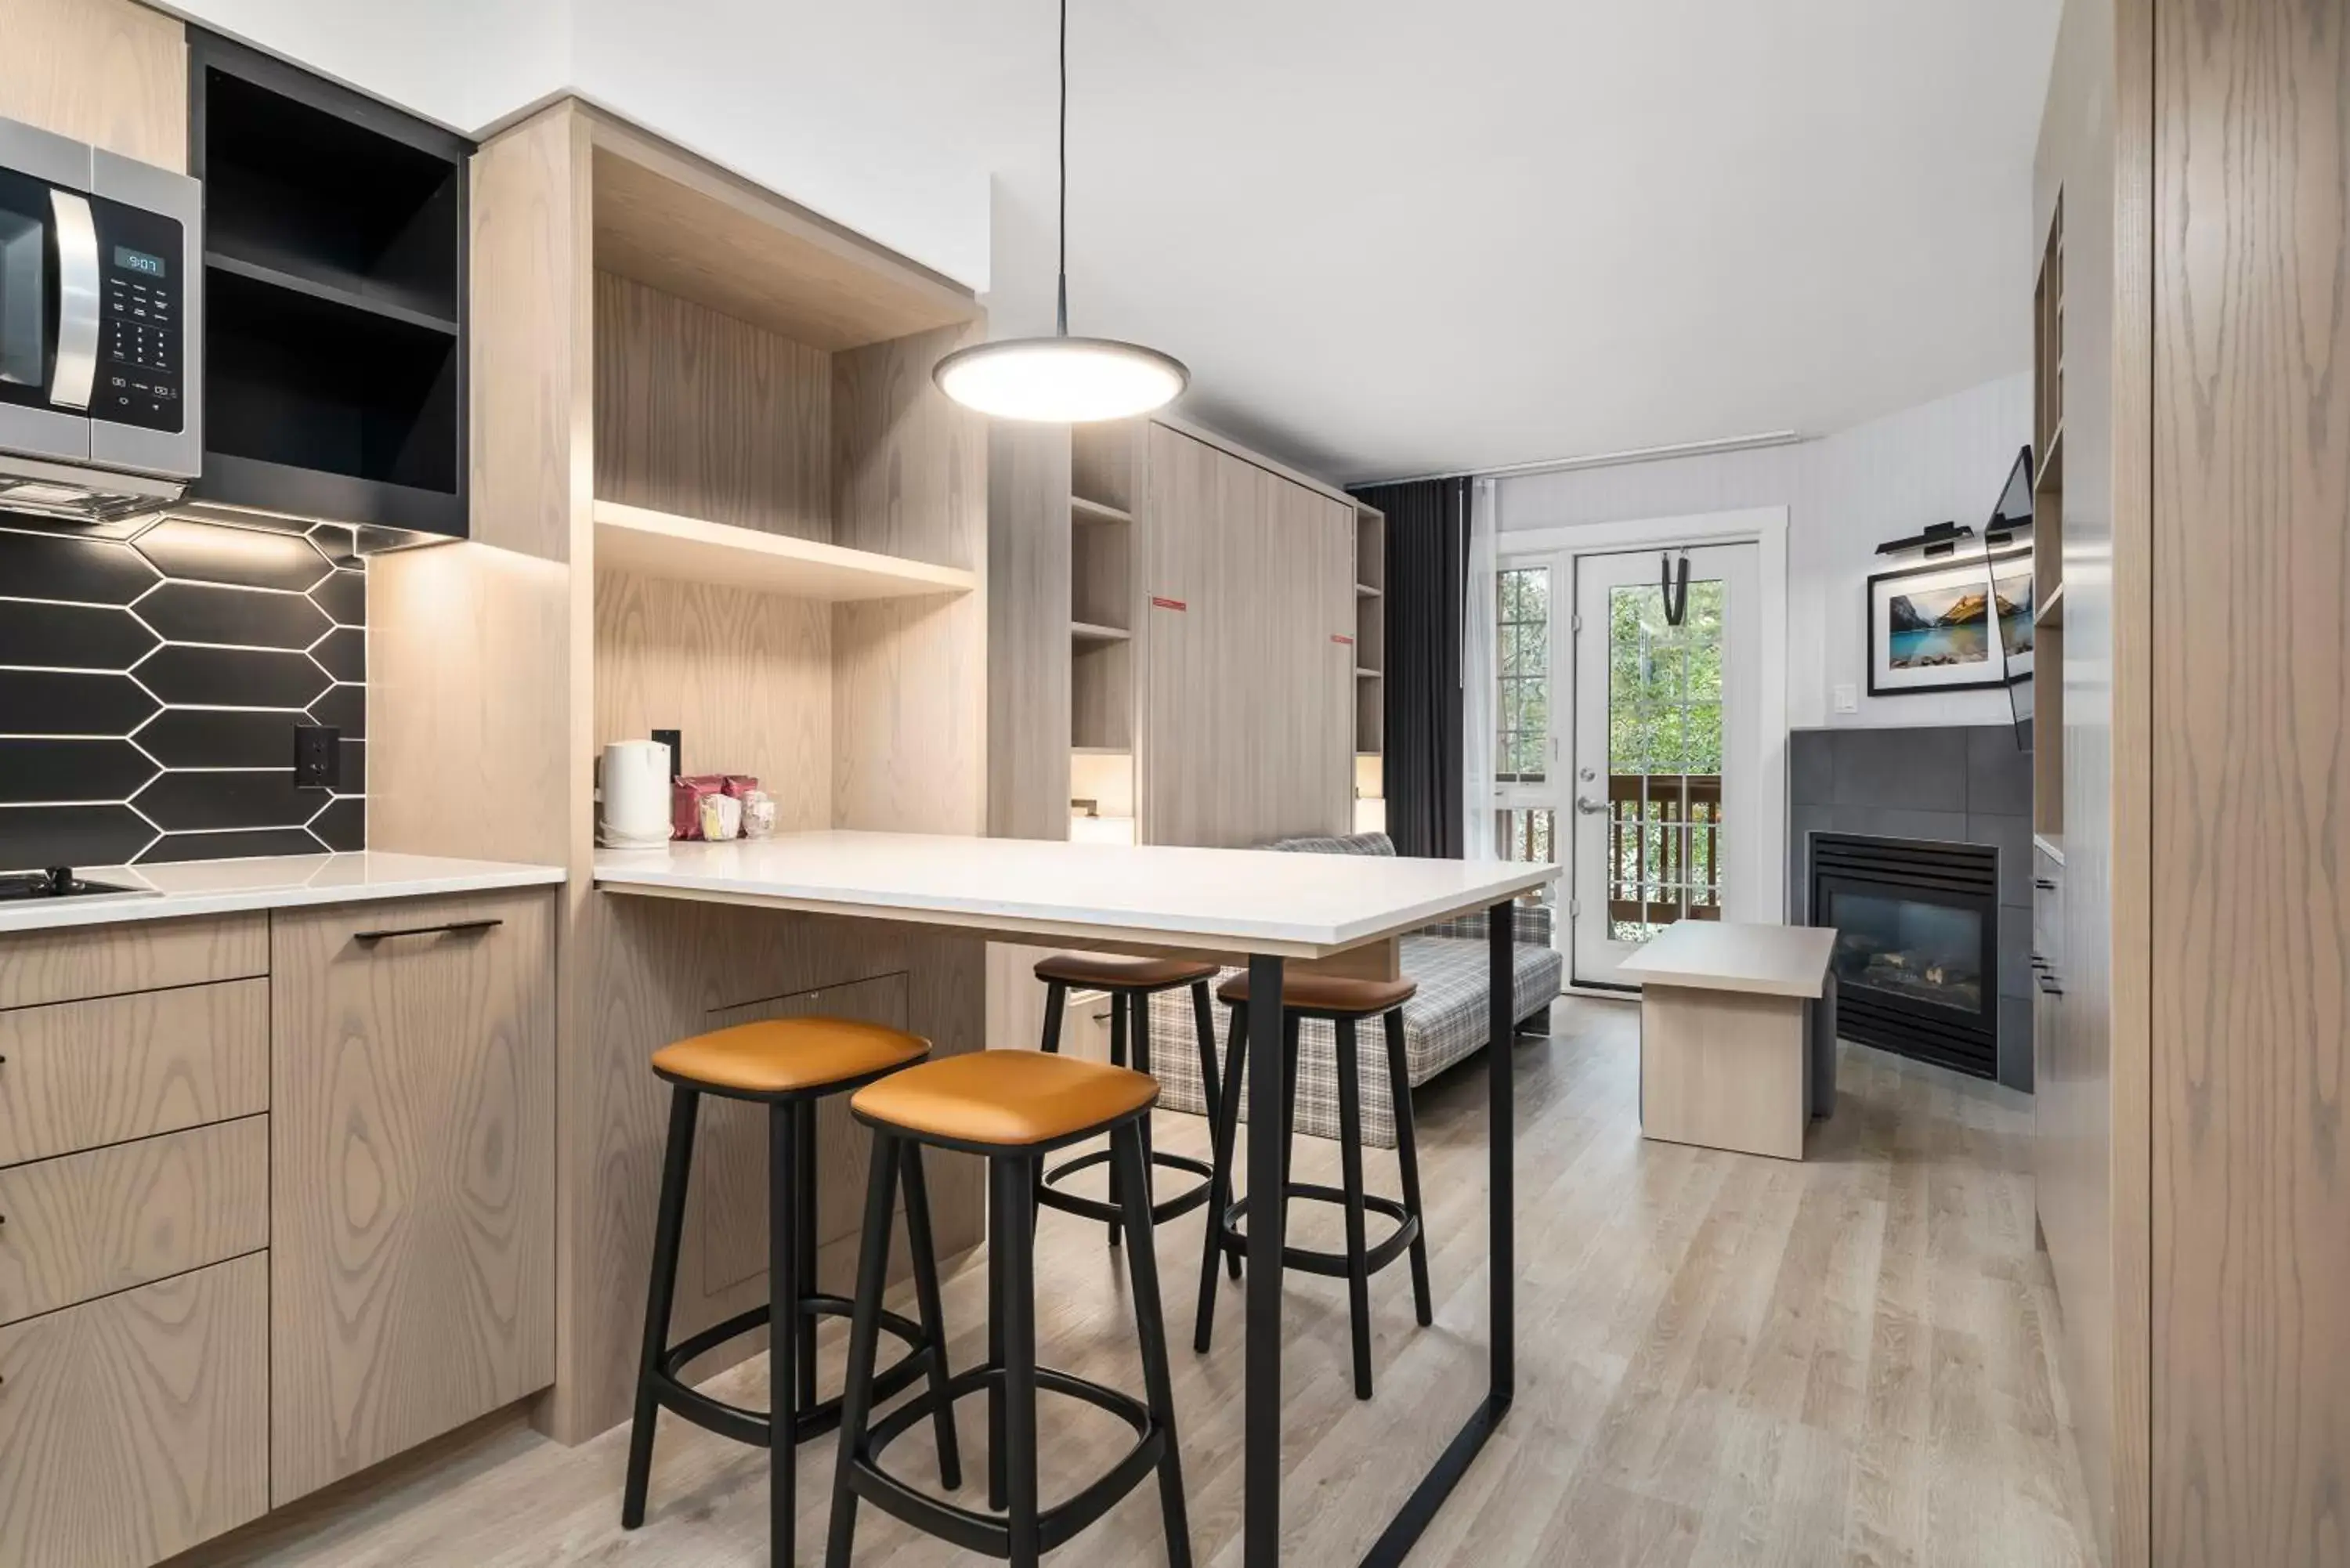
(1260, 906)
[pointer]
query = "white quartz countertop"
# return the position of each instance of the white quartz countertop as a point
(272, 882)
(1250, 901)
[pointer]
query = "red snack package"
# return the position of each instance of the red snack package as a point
(685, 803)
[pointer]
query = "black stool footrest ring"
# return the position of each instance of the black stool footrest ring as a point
(990, 1532)
(1166, 1208)
(1305, 1260)
(754, 1427)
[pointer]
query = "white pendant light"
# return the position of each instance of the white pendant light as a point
(1061, 380)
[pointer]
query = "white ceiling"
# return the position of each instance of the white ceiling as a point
(1388, 237)
(1395, 238)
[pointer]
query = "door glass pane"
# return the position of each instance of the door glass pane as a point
(24, 284)
(1521, 748)
(1664, 761)
(1529, 834)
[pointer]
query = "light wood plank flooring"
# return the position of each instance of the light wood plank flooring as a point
(1723, 1359)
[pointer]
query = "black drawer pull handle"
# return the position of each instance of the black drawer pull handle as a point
(452, 928)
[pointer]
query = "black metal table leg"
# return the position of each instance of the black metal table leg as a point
(1419, 1508)
(1268, 1128)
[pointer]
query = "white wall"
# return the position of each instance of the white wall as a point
(893, 134)
(1942, 461)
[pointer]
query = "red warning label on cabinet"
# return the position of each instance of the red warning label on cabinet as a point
(1159, 603)
(1340, 637)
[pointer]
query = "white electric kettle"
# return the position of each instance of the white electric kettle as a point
(634, 812)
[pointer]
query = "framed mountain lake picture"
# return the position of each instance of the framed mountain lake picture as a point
(1931, 627)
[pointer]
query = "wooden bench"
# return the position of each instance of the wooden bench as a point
(1737, 1035)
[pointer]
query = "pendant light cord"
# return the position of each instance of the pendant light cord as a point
(1063, 316)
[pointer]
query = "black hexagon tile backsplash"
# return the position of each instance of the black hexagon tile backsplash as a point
(150, 687)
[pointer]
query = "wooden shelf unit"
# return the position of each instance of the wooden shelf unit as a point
(687, 549)
(1103, 486)
(2052, 612)
(1370, 637)
(725, 497)
(2048, 535)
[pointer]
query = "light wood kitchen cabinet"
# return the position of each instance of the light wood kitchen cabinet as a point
(135, 1425)
(73, 963)
(412, 1175)
(77, 1075)
(106, 1220)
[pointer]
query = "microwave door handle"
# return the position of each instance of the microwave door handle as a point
(78, 288)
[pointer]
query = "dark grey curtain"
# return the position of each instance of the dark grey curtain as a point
(1427, 569)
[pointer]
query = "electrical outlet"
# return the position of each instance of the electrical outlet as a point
(1847, 699)
(675, 740)
(318, 756)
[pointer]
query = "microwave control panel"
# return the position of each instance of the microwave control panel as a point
(142, 328)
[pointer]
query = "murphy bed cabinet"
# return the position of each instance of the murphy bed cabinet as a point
(1209, 687)
(279, 1195)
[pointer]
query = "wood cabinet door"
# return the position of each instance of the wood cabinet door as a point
(1182, 703)
(1246, 725)
(133, 1427)
(412, 1175)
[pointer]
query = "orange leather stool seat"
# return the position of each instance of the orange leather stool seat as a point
(1111, 971)
(778, 1056)
(1327, 993)
(1005, 1099)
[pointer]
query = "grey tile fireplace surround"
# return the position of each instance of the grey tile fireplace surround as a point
(1963, 784)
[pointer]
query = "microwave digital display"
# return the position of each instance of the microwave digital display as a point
(137, 261)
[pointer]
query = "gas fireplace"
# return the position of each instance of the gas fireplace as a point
(1917, 951)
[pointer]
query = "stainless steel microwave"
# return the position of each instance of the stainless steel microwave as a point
(102, 273)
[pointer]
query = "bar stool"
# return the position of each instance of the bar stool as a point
(1131, 982)
(1345, 1003)
(786, 1064)
(1011, 1107)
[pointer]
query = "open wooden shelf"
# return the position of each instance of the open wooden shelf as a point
(687, 549)
(1086, 631)
(691, 229)
(1084, 510)
(2053, 612)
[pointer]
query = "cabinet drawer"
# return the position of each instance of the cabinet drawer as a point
(411, 1132)
(81, 961)
(85, 1225)
(135, 1425)
(77, 1075)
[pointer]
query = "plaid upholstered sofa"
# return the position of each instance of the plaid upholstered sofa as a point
(1444, 1024)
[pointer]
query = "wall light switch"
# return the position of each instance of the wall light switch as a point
(318, 756)
(1847, 699)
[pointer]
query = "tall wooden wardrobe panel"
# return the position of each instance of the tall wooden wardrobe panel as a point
(1184, 715)
(2076, 1195)
(2251, 763)
(1245, 735)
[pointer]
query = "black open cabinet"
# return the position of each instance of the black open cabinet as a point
(334, 267)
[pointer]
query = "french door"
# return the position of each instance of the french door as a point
(1666, 751)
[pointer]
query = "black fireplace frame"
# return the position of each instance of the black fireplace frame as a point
(1956, 875)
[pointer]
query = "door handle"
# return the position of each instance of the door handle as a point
(77, 302)
(454, 928)
(1588, 806)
